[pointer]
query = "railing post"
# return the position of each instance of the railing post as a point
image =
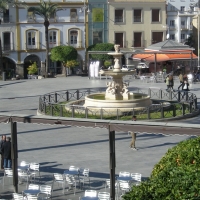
(51, 110)
(186, 96)
(195, 103)
(77, 95)
(179, 96)
(49, 97)
(174, 110)
(148, 113)
(55, 98)
(72, 111)
(61, 111)
(67, 95)
(190, 107)
(117, 114)
(170, 95)
(45, 108)
(183, 109)
(162, 111)
(160, 94)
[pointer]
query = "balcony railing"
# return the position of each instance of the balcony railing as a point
(7, 47)
(118, 19)
(137, 19)
(172, 27)
(74, 19)
(30, 18)
(6, 19)
(138, 44)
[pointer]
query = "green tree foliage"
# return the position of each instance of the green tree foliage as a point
(101, 47)
(107, 63)
(32, 69)
(175, 177)
(63, 54)
(72, 63)
(190, 41)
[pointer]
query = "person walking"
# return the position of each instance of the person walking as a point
(171, 82)
(133, 135)
(6, 149)
(167, 82)
(3, 140)
(185, 88)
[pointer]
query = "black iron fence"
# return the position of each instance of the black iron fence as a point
(165, 105)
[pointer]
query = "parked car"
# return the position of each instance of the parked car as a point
(128, 67)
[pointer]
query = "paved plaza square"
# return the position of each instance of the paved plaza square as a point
(57, 147)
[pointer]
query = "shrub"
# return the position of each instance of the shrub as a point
(175, 177)
(32, 69)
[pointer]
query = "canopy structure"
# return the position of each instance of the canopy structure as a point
(167, 50)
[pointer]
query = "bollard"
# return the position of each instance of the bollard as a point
(4, 76)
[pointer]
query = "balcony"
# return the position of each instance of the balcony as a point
(137, 19)
(138, 44)
(74, 19)
(118, 19)
(6, 19)
(172, 27)
(7, 47)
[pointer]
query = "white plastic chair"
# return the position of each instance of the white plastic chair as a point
(90, 193)
(104, 196)
(31, 197)
(24, 163)
(124, 186)
(24, 175)
(34, 169)
(124, 173)
(17, 196)
(45, 192)
(84, 174)
(33, 187)
(71, 181)
(136, 177)
(7, 173)
(58, 178)
(73, 168)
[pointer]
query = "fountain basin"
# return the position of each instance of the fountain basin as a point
(135, 100)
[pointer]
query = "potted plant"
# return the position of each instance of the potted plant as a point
(32, 69)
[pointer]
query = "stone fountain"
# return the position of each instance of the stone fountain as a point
(117, 94)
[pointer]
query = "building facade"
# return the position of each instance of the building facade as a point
(179, 19)
(23, 36)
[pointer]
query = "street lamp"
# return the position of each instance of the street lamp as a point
(85, 9)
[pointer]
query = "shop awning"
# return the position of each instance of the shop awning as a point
(165, 56)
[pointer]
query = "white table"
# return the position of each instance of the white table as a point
(73, 172)
(23, 168)
(89, 198)
(31, 192)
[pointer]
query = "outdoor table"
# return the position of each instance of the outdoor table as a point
(31, 192)
(73, 172)
(89, 198)
(23, 168)
(124, 178)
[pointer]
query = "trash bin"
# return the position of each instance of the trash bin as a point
(4, 76)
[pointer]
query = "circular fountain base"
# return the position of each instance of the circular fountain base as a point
(136, 100)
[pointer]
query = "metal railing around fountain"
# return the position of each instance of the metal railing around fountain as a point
(165, 105)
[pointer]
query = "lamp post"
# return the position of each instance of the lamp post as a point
(83, 9)
(198, 38)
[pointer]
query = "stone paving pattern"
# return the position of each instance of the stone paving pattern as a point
(58, 147)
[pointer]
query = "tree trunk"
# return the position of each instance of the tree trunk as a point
(46, 24)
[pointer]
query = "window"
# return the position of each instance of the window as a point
(30, 16)
(73, 37)
(172, 23)
(6, 17)
(172, 8)
(157, 37)
(183, 25)
(119, 39)
(97, 36)
(119, 15)
(155, 15)
(182, 36)
(31, 39)
(52, 39)
(172, 36)
(73, 15)
(182, 8)
(7, 41)
(137, 15)
(137, 39)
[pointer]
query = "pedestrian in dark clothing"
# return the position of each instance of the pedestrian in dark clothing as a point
(184, 87)
(3, 140)
(171, 82)
(6, 149)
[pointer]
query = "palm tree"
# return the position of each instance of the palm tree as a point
(4, 4)
(45, 10)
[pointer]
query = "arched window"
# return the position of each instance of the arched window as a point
(53, 38)
(31, 39)
(73, 37)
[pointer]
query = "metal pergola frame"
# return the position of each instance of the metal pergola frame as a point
(165, 128)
